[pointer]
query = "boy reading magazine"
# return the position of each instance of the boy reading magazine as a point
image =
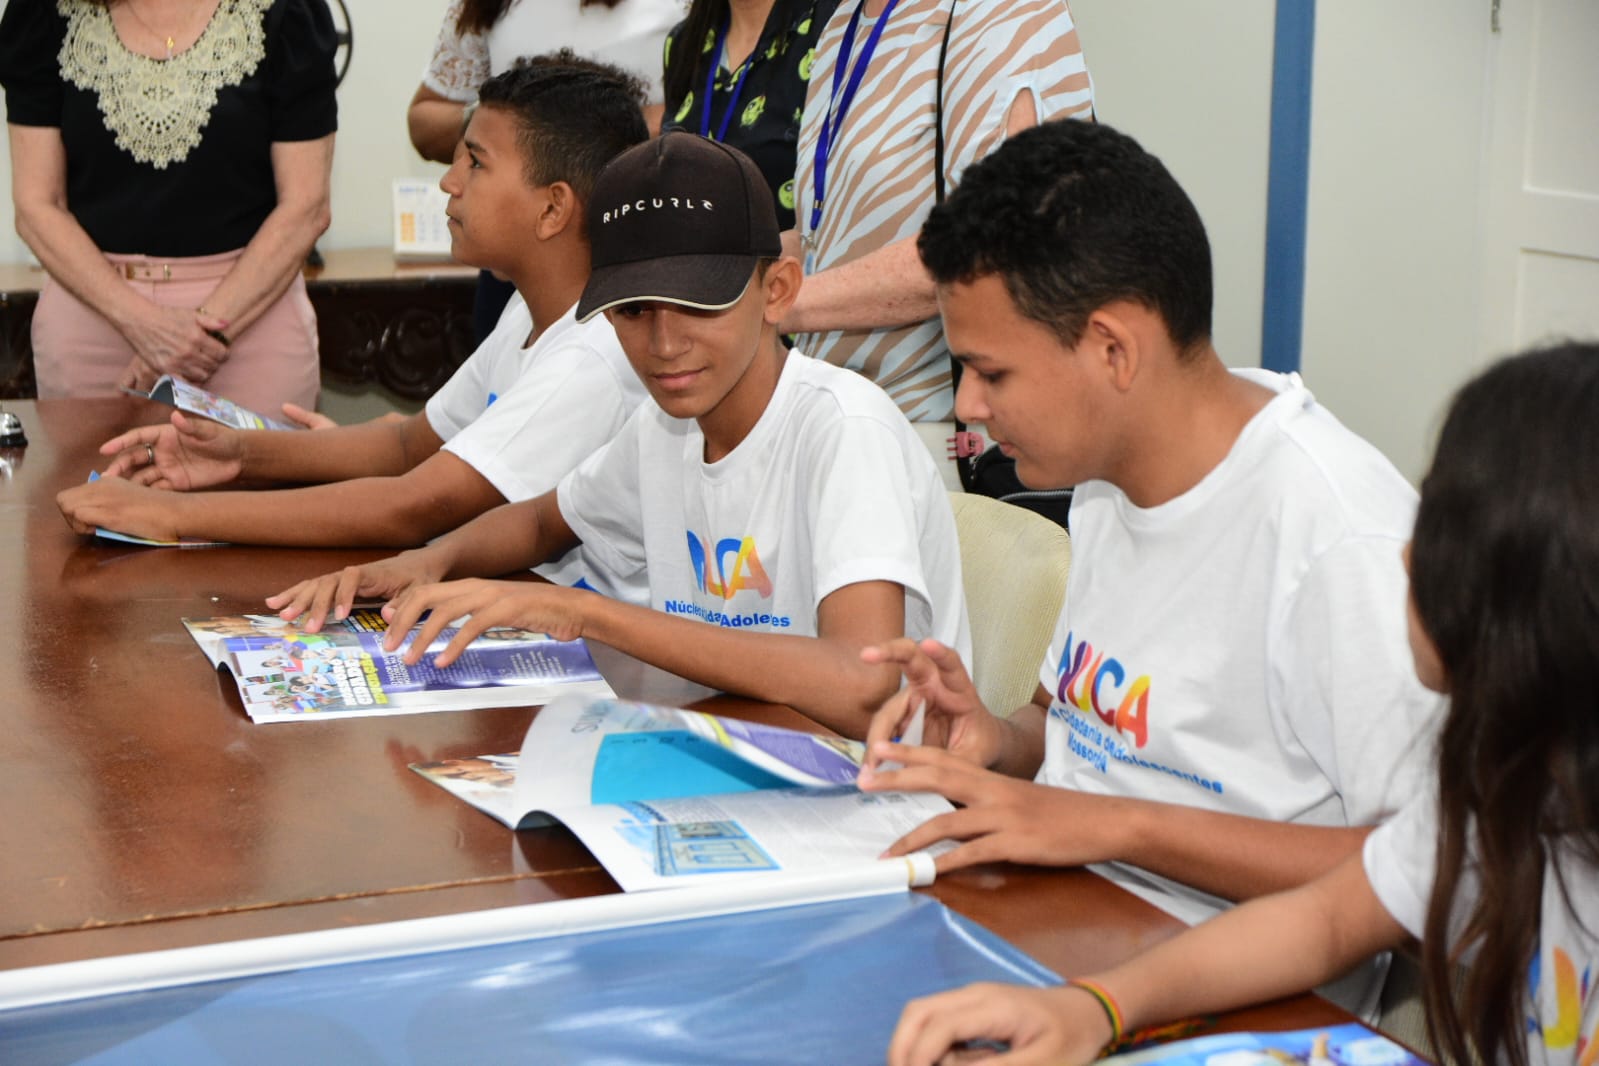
(540, 394)
(1227, 704)
(782, 510)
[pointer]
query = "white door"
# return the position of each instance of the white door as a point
(1540, 230)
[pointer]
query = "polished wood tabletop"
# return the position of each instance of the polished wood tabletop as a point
(144, 810)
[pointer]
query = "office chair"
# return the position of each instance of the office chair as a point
(1013, 566)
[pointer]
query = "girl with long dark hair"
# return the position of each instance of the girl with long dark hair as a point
(1496, 870)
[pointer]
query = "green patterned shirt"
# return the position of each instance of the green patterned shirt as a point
(766, 127)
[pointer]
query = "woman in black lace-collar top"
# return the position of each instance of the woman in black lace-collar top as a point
(170, 168)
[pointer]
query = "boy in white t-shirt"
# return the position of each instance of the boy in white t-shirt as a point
(1228, 702)
(540, 394)
(782, 510)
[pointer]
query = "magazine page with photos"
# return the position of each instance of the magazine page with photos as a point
(286, 674)
(666, 797)
(192, 399)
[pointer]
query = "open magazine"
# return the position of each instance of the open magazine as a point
(1351, 1044)
(666, 797)
(285, 674)
(192, 399)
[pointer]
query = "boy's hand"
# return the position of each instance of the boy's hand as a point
(1001, 818)
(313, 599)
(936, 679)
(190, 453)
(309, 419)
(543, 608)
(1039, 1025)
(111, 503)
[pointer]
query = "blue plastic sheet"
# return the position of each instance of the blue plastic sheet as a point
(816, 984)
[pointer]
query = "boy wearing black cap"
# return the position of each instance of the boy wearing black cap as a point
(782, 510)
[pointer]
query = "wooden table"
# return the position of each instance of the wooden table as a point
(144, 810)
(405, 326)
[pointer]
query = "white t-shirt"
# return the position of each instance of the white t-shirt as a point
(1563, 1016)
(831, 487)
(524, 416)
(1242, 648)
(631, 35)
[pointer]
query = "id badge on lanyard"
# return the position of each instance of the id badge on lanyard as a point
(842, 96)
(710, 86)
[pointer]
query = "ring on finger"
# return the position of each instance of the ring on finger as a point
(149, 452)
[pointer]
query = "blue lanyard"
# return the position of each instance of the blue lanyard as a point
(710, 86)
(838, 106)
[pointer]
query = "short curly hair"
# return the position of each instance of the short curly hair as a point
(573, 115)
(1073, 215)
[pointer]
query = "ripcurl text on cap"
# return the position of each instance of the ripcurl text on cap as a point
(679, 219)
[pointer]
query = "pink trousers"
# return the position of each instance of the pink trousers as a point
(76, 352)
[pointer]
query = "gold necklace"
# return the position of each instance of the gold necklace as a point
(165, 38)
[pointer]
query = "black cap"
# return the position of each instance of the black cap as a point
(680, 219)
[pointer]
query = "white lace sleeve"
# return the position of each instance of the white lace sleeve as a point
(460, 62)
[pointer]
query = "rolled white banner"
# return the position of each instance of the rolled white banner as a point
(69, 981)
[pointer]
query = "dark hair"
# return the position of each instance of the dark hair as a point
(479, 16)
(573, 116)
(1505, 579)
(1073, 215)
(689, 51)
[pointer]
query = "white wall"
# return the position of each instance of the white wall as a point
(1192, 82)
(12, 250)
(393, 40)
(1393, 264)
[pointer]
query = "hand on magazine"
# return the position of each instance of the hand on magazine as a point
(551, 609)
(999, 818)
(1038, 1025)
(936, 680)
(111, 503)
(189, 453)
(314, 600)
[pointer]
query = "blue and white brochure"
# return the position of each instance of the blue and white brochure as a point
(665, 797)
